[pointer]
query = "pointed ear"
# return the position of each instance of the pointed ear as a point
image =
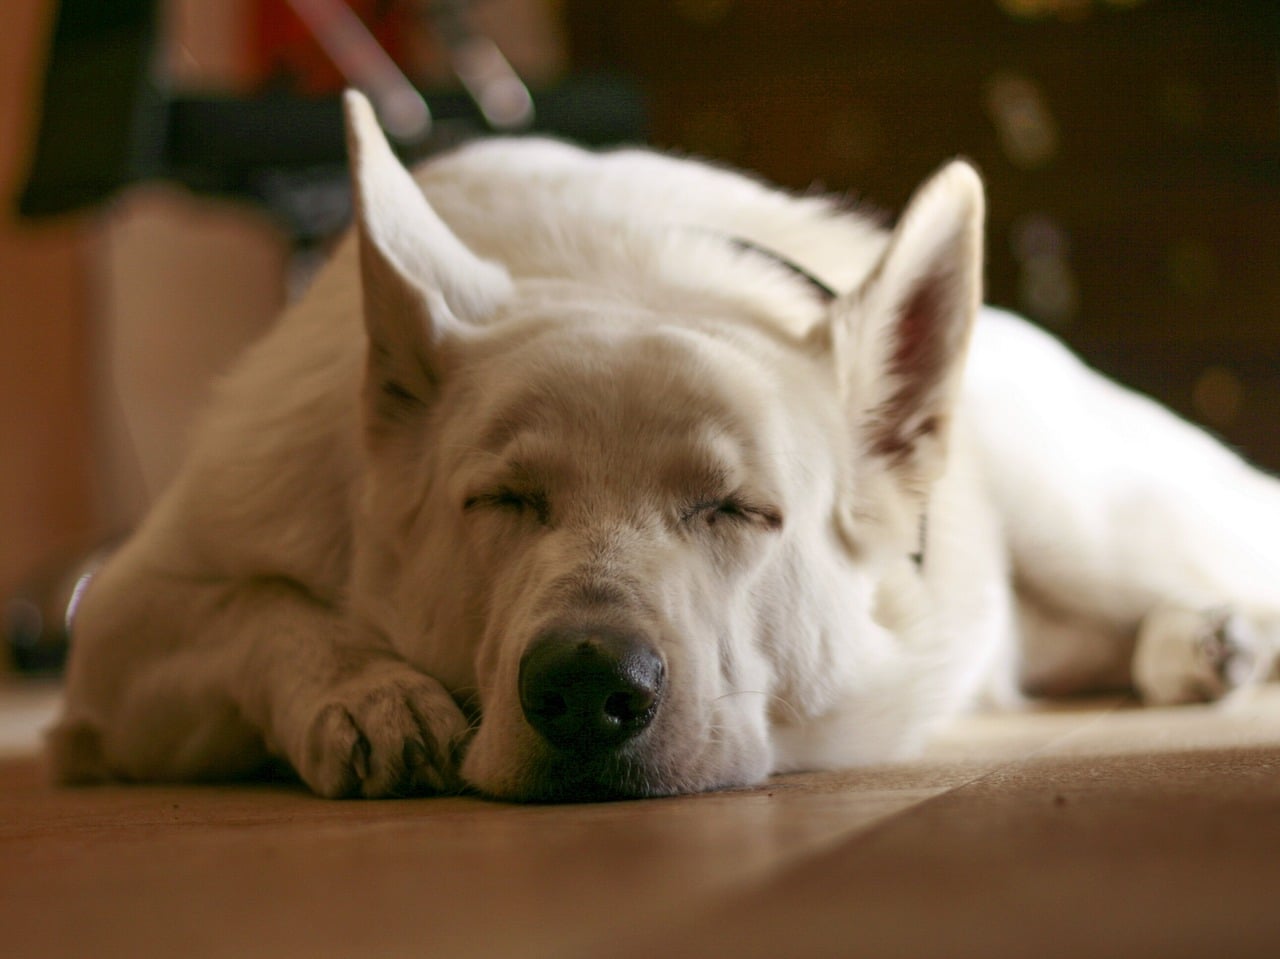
(900, 340)
(421, 286)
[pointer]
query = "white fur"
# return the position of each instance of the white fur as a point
(516, 389)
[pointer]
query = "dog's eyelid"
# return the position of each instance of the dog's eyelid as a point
(533, 502)
(734, 508)
(771, 516)
(766, 515)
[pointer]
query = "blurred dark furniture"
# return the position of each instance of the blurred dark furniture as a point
(1131, 149)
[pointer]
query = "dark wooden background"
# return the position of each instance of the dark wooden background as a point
(1131, 150)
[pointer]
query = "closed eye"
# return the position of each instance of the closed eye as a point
(732, 510)
(532, 503)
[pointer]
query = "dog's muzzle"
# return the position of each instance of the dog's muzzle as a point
(588, 690)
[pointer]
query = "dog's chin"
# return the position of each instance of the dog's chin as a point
(552, 776)
(566, 778)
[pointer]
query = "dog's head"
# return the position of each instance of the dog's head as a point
(647, 551)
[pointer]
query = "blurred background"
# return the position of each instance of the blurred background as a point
(173, 174)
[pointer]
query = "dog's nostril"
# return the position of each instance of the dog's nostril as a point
(627, 707)
(551, 706)
(590, 689)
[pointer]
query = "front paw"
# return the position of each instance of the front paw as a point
(388, 731)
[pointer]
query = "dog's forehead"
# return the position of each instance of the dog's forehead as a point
(659, 408)
(660, 383)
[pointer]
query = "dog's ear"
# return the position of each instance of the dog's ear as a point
(900, 340)
(421, 286)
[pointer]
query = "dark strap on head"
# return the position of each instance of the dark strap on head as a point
(823, 290)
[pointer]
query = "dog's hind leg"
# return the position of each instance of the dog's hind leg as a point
(1125, 524)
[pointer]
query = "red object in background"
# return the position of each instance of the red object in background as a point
(284, 52)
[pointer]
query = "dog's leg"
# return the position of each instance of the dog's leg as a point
(1123, 521)
(264, 670)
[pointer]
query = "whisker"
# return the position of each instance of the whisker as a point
(796, 715)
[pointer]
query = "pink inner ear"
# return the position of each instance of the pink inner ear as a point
(918, 362)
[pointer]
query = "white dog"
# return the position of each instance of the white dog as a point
(570, 478)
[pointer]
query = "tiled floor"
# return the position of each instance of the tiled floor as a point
(1094, 830)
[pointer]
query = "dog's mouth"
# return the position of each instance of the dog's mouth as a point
(593, 772)
(550, 775)
(565, 777)
(663, 760)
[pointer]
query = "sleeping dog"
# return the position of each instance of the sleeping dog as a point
(577, 476)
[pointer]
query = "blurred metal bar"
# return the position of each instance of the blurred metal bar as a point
(367, 67)
(488, 77)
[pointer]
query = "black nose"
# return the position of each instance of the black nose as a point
(589, 690)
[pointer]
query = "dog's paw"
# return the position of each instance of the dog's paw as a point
(1195, 656)
(388, 731)
(74, 748)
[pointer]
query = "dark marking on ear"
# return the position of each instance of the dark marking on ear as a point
(389, 405)
(897, 444)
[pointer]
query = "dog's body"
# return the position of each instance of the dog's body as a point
(629, 508)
